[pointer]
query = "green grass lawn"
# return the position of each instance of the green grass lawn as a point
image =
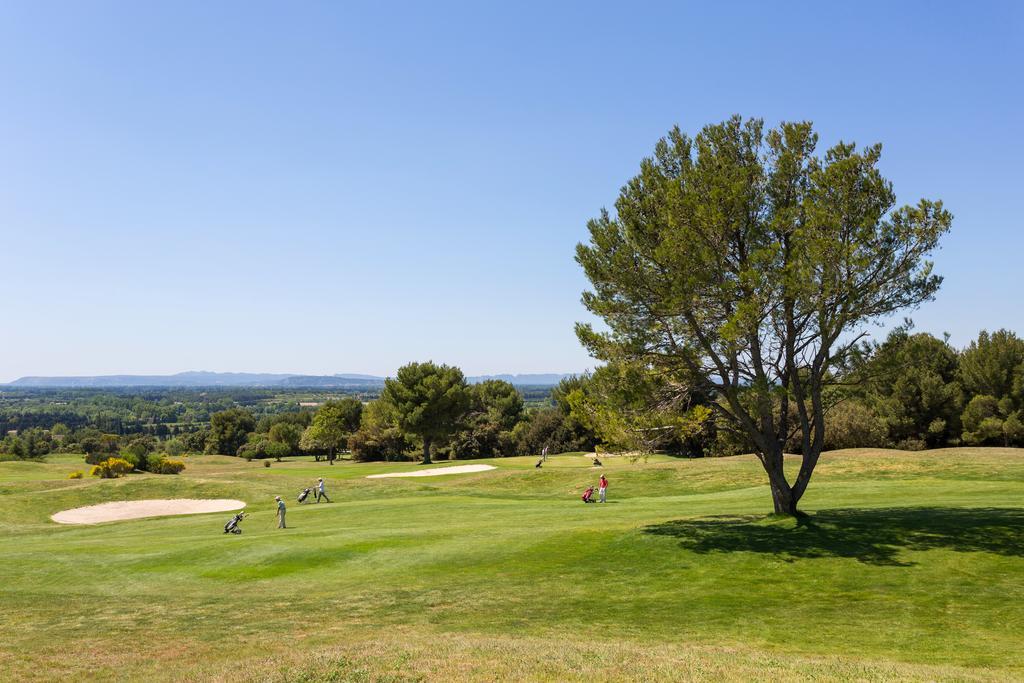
(910, 566)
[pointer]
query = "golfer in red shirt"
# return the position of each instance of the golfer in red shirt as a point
(602, 487)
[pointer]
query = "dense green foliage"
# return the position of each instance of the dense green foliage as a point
(485, 430)
(911, 383)
(333, 425)
(927, 394)
(495, 421)
(912, 391)
(157, 411)
(428, 401)
(229, 430)
(742, 265)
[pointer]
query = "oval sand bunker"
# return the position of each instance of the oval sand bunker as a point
(435, 471)
(137, 509)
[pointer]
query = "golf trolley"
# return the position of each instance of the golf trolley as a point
(232, 526)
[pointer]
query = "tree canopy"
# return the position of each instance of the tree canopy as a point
(742, 265)
(911, 380)
(333, 424)
(428, 400)
(229, 430)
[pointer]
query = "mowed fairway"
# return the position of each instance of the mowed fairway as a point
(910, 566)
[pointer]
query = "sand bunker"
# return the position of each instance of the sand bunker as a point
(435, 471)
(137, 509)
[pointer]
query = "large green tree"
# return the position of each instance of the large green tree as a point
(495, 408)
(911, 382)
(742, 265)
(428, 401)
(993, 364)
(992, 372)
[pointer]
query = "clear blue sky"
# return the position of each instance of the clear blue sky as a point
(343, 187)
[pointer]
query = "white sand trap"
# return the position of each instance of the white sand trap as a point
(137, 509)
(435, 471)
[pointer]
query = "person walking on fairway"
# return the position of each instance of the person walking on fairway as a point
(544, 454)
(280, 513)
(320, 493)
(602, 487)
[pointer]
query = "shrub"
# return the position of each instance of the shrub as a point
(278, 450)
(727, 442)
(853, 425)
(260, 447)
(96, 458)
(138, 459)
(78, 474)
(376, 442)
(175, 447)
(111, 468)
(161, 465)
(98, 446)
(1013, 428)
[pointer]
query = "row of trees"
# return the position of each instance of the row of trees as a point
(911, 392)
(426, 407)
(924, 393)
(157, 411)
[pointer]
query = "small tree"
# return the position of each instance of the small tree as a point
(428, 400)
(287, 435)
(332, 425)
(229, 430)
(378, 436)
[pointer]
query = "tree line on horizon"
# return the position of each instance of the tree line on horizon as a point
(486, 419)
(910, 392)
(427, 410)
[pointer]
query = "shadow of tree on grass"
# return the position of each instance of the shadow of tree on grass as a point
(873, 536)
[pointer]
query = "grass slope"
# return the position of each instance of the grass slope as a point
(910, 566)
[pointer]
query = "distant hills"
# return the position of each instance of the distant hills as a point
(542, 379)
(249, 379)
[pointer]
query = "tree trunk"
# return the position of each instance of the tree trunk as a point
(426, 451)
(784, 498)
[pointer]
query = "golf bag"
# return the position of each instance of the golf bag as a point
(304, 495)
(597, 463)
(232, 526)
(588, 495)
(539, 462)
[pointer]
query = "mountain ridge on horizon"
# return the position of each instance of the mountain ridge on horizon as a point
(202, 378)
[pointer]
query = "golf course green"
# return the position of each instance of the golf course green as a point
(909, 565)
